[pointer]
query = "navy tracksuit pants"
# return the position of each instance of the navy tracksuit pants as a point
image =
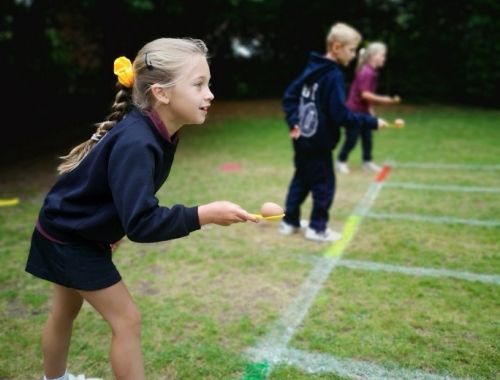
(313, 174)
(351, 138)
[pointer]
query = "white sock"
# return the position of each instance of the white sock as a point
(63, 377)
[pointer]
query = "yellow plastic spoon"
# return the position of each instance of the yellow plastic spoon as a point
(271, 218)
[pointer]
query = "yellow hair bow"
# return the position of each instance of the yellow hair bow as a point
(124, 71)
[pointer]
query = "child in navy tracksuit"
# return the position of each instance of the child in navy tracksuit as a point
(107, 189)
(315, 109)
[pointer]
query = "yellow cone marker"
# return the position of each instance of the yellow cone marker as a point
(9, 202)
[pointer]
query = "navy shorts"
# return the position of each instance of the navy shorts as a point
(82, 267)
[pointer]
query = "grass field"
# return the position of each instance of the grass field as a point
(414, 294)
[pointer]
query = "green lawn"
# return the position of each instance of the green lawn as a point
(438, 325)
(207, 298)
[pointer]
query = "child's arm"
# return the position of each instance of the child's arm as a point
(130, 177)
(133, 190)
(291, 101)
(340, 114)
(131, 168)
(379, 99)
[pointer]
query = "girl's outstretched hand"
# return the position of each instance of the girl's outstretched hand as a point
(223, 213)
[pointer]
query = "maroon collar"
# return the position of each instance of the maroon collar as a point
(160, 126)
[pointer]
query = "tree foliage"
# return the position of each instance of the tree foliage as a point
(62, 50)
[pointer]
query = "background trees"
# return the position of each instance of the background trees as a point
(57, 54)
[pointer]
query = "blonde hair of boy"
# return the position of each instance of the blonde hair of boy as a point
(342, 33)
(372, 49)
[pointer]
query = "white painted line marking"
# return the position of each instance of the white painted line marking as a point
(419, 271)
(271, 346)
(434, 219)
(354, 369)
(421, 186)
(436, 165)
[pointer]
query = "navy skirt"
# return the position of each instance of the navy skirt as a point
(83, 267)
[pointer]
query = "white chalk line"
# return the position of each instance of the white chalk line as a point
(409, 270)
(438, 166)
(351, 368)
(420, 271)
(457, 188)
(434, 219)
(271, 347)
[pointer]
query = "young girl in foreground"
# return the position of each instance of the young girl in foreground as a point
(106, 189)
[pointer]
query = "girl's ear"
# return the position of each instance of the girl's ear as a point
(161, 94)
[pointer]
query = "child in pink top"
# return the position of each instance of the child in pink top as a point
(362, 97)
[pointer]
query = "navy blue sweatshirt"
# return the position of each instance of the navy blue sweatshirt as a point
(111, 193)
(316, 102)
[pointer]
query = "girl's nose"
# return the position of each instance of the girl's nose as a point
(210, 95)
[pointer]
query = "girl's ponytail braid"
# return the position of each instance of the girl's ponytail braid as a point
(122, 105)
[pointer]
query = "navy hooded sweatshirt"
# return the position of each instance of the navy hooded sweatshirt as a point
(316, 102)
(111, 193)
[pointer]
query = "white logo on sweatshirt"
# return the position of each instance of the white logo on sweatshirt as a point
(308, 113)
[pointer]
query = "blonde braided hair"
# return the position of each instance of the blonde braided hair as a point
(158, 62)
(120, 107)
